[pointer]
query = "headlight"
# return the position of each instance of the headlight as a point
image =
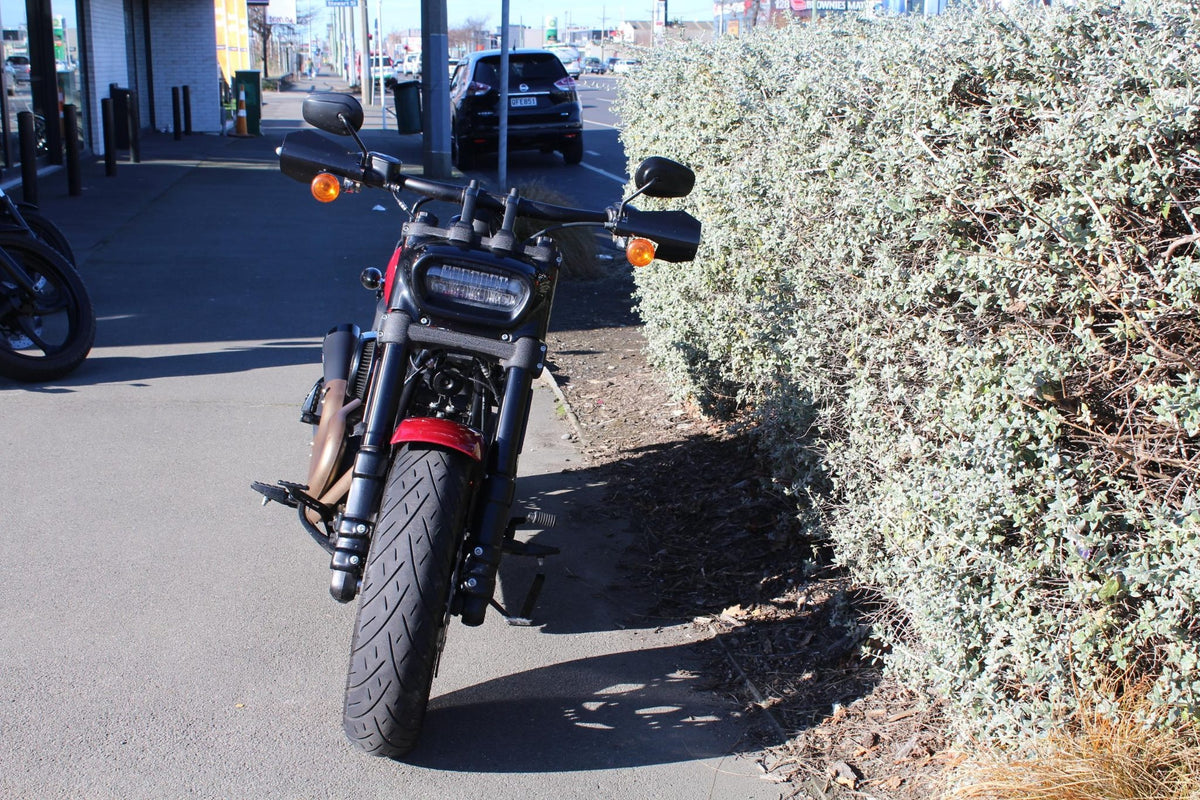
(487, 290)
(474, 288)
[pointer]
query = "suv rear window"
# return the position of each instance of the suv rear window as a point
(524, 67)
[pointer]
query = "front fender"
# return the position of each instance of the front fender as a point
(440, 432)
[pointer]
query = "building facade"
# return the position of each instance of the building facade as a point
(70, 52)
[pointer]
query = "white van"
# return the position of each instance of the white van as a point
(569, 56)
(411, 64)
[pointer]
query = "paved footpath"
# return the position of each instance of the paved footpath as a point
(164, 636)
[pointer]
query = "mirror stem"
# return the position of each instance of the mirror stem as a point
(350, 130)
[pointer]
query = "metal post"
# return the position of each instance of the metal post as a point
(110, 137)
(135, 129)
(435, 80)
(28, 150)
(502, 147)
(364, 56)
(176, 114)
(187, 109)
(71, 121)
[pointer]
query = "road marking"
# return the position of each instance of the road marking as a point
(605, 124)
(618, 178)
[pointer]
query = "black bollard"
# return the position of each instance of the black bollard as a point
(135, 129)
(110, 136)
(176, 114)
(28, 149)
(71, 124)
(187, 110)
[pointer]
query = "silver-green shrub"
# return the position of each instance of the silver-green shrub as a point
(950, 269)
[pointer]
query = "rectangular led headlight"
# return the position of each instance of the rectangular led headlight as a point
(503, 293)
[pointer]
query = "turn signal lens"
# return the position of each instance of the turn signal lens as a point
(640, 252)
(326, 187)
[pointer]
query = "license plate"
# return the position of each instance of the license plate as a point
(522, 102)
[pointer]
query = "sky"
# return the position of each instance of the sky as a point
(404, 14)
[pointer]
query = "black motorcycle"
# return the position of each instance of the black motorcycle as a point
(47, 324)
(420, 420)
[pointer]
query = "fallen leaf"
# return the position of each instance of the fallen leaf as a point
(844, 774)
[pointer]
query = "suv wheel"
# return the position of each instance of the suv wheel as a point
(572, 150)
(462, 154)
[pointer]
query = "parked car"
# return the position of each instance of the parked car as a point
(593, 66)
(543, 112)
(625, 65)
(381, 67)
(570, 57)
(411, 65)
(17, 68)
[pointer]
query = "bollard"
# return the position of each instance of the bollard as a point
(240, 128)
(176, 114)
(110, 137)
(187, 110)
(28, 150)
(135, 129)
(71, 123)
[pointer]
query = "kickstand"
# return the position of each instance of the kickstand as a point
(525, 618)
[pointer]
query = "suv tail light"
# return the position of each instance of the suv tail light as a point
(475, 89)
(566, 84)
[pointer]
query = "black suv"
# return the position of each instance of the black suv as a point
(543, 106)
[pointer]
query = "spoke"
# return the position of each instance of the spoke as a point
(26, 324)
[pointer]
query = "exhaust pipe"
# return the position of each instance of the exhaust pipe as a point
(336, 354)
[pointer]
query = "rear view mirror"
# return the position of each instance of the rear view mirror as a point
(339, 114)
(662, 177)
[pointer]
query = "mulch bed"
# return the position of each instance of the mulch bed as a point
(719, 547)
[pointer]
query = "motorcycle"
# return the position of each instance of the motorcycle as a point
(419, 420)
(47, 324)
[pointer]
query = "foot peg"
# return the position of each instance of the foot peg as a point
(511, 546)
(295, 495)
(270, 493)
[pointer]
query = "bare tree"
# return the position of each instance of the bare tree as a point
(471, 35)
(262, 30)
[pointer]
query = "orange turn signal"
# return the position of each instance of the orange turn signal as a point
(326, 187)
(640, 252)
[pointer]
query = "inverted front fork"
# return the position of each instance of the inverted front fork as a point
(522, 360)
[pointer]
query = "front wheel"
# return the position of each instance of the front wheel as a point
(47, 325)
(404, 602)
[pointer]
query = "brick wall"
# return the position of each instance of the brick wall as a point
(183, 42)
(106, 59)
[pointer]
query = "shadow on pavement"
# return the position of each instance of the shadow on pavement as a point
(618, 710)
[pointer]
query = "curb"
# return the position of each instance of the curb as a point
(548, 379)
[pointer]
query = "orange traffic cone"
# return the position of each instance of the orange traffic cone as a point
(240, 128)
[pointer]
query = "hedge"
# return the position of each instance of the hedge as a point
(950, 272)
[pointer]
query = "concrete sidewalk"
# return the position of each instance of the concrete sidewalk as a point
(165, 636)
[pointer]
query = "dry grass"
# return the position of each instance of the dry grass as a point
(578, 245)
(1098, 756)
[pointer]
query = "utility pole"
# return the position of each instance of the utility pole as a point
(435, 86)
(364, 56)
(502, 155)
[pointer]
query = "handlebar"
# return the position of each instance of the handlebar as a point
(306, 153)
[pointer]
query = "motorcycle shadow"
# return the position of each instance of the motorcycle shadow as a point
(626, 709)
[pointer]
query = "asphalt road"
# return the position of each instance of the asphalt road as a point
(163, 635)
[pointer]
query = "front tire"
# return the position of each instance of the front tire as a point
(402, 611)
(46, 333)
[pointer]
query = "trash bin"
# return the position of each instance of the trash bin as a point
(248, 80)
(408, 106)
